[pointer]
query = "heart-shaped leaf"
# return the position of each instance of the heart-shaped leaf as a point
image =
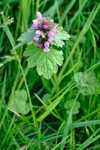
(46, 62)
(46, 97)
(18, 102)
(87, 82)
(68, 106)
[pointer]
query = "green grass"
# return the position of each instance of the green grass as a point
(47, 125)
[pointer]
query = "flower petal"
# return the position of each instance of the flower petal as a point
(39, 16)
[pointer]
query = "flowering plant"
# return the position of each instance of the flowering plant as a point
(41, 37)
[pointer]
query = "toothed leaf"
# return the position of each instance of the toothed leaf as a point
(68, 106)
(58, 38)
(46, 62)
(87, 82)
(27, 37)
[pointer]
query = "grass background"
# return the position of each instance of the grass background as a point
(55, 130)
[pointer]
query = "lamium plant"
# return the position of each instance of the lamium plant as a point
(40, 38)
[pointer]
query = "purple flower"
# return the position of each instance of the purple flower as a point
(44, 29)
(50, 39)
(36, 38)
(46, 45)
(38, 34)
(46, 50)
(34, 25)
(45, 26)
(39, 16)
(40, 45)
(50, 34)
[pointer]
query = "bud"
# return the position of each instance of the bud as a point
(45, 26)
(40, 45)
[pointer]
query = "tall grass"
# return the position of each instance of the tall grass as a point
(48, 126)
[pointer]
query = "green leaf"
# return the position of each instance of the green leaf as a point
(49, 109)
(58, 38)
(84, 124)
(27, 37)
(68, 106)
(18, 102)
(7, 59)
(46, 97)
(1, 64)
(90, 140)
(87, 82)
(45, 62)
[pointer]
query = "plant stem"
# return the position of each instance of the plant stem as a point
(17, 58)
(33, 113)
(56, 81)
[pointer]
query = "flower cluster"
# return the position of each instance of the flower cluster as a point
(44, 29)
